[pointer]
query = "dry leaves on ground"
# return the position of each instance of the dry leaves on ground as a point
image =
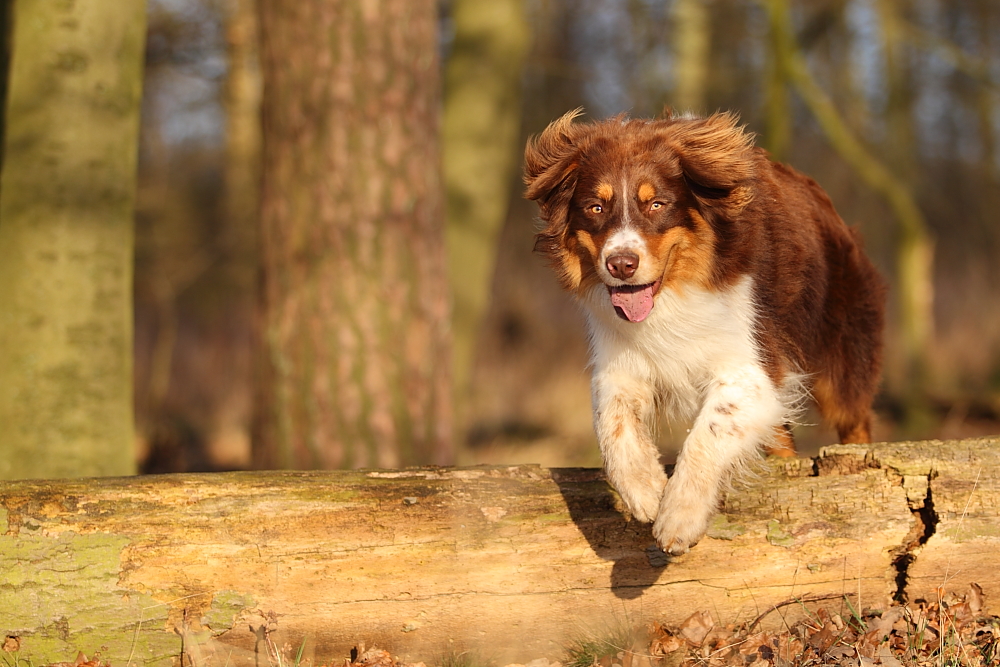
(951, 630)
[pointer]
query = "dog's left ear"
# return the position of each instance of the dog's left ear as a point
(718, 160)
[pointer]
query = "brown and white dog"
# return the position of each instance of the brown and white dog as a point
(718, 286)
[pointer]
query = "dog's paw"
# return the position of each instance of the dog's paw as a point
(643, 500)
(681, 522)
(677, 541)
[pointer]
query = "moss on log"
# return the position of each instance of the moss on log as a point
(511, 561)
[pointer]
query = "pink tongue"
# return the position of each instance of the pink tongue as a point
(632, 303)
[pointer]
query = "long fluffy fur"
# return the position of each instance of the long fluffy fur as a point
(760, 296)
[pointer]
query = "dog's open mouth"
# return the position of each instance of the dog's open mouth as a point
(633, 302)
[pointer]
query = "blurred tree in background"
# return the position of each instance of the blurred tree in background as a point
(482, 158)
(914, 259)
(692, 40)
(353, 347)
(890, 104)
(67, 192)
(195, 258)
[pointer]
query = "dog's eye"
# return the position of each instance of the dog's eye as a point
(597, 208)
(656, 206)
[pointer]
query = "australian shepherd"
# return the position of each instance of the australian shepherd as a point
(718, 286)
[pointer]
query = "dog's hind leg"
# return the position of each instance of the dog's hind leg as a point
(783, 444)
(847, 410)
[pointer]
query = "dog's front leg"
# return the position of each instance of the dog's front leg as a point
(740, 413)
(623, 410)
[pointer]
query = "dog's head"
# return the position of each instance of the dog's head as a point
(637, 205)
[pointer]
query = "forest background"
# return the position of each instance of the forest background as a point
(893, 106)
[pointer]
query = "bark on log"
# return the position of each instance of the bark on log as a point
(510, 561)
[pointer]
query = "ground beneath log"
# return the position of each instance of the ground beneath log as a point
(950, 631)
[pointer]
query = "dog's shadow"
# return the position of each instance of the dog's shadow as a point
(638, 562)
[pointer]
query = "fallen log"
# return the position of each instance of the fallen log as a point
(510, 561)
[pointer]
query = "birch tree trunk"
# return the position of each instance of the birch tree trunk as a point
(67, 193)
(353, 345)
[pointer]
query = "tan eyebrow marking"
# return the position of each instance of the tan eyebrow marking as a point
(605, 191)
(646, 192)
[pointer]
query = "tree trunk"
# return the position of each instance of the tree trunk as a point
(915, 247)
(482, 153)
(67, 194)
(511, 562)
(6, 31)
(353, 346)
(778, 121)
(242, 105)
(692, 41)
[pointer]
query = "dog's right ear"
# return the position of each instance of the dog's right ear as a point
(549, 161)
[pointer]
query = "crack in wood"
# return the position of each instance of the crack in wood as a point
(919, 499)
(925, 523)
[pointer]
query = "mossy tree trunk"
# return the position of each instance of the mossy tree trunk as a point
(67, 193)
(778, 121)
(6, 15)
(243, 131)
(353, 344)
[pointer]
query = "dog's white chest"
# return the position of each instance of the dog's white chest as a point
(689, 338)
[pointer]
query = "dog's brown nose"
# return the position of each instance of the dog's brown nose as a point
(623, 265)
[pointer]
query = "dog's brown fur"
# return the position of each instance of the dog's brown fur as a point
(687, 214)
(820, 300)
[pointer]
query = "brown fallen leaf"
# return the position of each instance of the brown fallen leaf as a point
(663, 642)
(696, 627)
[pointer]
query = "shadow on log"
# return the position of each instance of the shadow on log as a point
(512, 562)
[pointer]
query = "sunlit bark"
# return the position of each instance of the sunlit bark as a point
(353, 345)
(692, 40)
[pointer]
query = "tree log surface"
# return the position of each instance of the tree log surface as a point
(510, 561)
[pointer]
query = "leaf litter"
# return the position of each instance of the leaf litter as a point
(951, 630)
